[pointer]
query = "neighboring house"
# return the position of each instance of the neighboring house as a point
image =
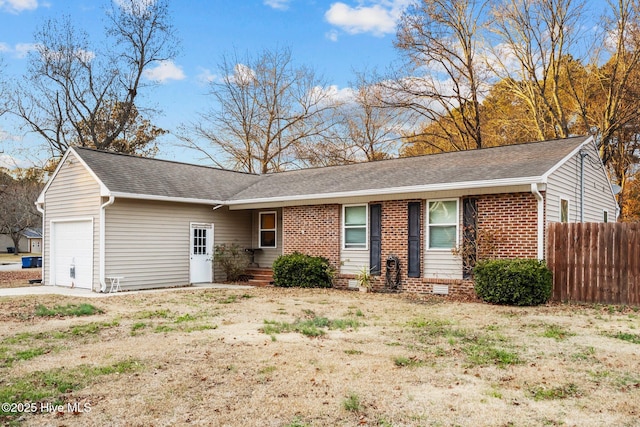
(6, 242)
(34, 239)
(155, 222)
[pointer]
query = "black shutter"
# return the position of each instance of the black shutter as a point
(413, 269)
(375, 239)
(469, 235)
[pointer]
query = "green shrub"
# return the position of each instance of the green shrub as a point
(302, 271)
(513, 281)
(232, 259)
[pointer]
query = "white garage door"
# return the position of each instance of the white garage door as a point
(72, 253)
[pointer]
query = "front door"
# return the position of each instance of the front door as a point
(201, 262)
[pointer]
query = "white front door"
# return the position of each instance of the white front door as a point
(201, 263)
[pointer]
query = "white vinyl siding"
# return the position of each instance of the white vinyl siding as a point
(564, 183)
(148, 242)
(266, 256)
(352, 261)
(73, 194)
(442, 263)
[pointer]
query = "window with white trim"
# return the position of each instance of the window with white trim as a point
(442, 224)
(268, 229)
(564, 210)
(354, 226)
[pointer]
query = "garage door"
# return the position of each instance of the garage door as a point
(72, 253)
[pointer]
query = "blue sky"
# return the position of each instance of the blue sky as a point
(336, 38)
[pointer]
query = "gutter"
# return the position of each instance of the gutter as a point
(540, 199)
(103, 283)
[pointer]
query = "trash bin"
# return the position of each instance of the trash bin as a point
(26, 262)
(11, 250)
(38, 261)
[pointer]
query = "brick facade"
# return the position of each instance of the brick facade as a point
(507, 228)
(312, 230)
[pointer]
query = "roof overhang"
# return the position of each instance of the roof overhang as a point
(471, 187)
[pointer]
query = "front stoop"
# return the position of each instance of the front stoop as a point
(260, 276)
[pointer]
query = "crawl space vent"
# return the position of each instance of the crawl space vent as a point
(441, 289)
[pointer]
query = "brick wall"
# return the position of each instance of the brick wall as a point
(312, 230)
(508, 225)
(395, 235)
(509, 219)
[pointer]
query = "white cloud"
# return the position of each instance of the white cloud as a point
(4, 47)
(278, 4)
(243, 75)
(332, 35)
(378, 18)
(22, 49)
(133, 7)
(17, 6)
(166, 70)
(206, 76)
(341, 95)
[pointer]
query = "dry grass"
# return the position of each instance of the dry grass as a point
(207, 357)
(19, 278)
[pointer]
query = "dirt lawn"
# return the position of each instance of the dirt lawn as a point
(278, 357)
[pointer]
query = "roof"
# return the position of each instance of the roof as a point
(522, 162)
(32, 233)
(139, 177)
(133, 175)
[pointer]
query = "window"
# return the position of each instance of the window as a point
(355, 227)
(605, 216)
(564, 210)
(267, 229)
(443, 224)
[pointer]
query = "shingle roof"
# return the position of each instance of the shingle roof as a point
(497, 163)
(122, 173)
(143, 176)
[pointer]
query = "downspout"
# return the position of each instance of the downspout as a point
(40, 208)
(103, 283)
(582, 156)
(540, 199)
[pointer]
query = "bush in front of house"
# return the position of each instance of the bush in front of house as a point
(513, 281)
(302, 271)
(232, 259)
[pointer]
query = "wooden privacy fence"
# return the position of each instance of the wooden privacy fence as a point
(594, 262)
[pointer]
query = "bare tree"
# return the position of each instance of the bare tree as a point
(443, 41)
(17, 207)
(266, 109)
(536, 38)
(71, 86)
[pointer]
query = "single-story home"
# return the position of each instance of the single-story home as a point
(30, 241)
(155, 222)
